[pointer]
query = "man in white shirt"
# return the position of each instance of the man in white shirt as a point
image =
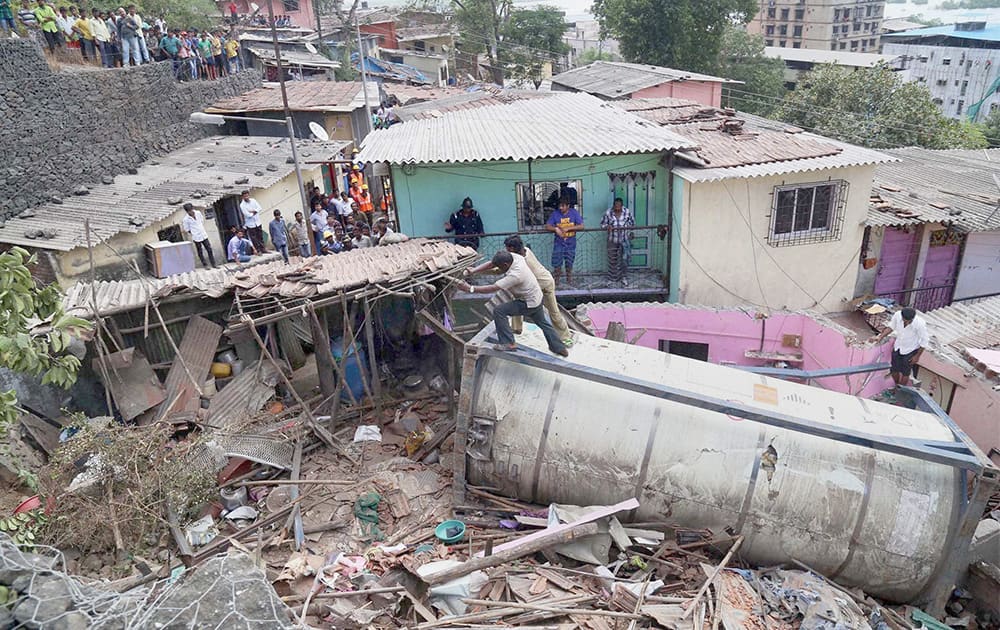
(194, 224)
(343, 208)
(911, 339)
(251, 221)
(527, 301)
(318, 222)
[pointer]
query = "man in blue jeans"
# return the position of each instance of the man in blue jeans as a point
(564, 222)
(240, 248)
(521, 284)
(279, 237)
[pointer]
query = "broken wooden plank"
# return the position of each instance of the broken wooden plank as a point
(541, 540)
(618, 534)
(722, 565)
(599, 513)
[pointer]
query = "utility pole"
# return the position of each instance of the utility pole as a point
(306, 211)
(364, 73)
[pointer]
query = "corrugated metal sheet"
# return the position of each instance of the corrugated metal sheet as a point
(131, 381)
(407, 94)
(973, 324)
(563, 125)
(303, 96)
(197, 348)
(295, 58)
(469, 100)
(837, 57)
(615, 79)
(211, 166)
(956, 187)
(243, 396)
(120, 296)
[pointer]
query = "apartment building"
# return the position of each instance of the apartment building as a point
(849, 25)
(959, 64)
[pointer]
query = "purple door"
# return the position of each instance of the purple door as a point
(899, 251)
(938, 280)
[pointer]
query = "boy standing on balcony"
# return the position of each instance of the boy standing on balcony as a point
(564, 222)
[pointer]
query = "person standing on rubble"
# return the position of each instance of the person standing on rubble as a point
(527, 301)
(279, 235)
(251, 221)
(194, 224)
(911, 339)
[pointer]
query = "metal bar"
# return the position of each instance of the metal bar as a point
(808, 374)
(929, 405)
(533, 358)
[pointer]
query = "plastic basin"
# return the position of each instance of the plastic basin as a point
(443, 530)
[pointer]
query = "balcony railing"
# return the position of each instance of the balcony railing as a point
(647, 259)
(923, 299)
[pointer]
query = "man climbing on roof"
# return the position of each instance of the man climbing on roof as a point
(911, 339)
(526, 301)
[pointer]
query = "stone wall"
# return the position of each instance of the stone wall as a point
(62, 129)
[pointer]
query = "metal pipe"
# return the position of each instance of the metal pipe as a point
(364, 74)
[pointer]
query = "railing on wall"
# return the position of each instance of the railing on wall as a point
(647, 263)
(923, 299)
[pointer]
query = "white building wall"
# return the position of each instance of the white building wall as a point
(726, 260)
(852, 25)
(956, 77)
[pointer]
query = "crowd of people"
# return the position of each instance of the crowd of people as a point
(122, 37)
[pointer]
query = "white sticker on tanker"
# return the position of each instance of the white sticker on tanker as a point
(910, 521)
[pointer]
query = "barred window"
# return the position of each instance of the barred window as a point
(536, 201)
(808, 213)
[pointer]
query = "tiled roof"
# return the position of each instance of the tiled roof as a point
(291, 58)
(303, 96)
(615, 79)
(562, 125)
(202, 173)
(956, 187)
(418, 93)
(974, 324)
(736, 145)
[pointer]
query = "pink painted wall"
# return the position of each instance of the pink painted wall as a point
(304, 17)
(974, 406)
(729, 333)
(705, 92)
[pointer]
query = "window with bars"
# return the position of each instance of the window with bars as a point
(807, 213)
(536, 201)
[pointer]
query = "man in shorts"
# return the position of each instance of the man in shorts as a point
(564, 222)
(911, 339)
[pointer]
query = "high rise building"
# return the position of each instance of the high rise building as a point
(851, 25)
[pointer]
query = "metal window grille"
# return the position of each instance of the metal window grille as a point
(807, 213)
(537, 200)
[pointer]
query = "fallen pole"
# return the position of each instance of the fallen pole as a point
(708, 582)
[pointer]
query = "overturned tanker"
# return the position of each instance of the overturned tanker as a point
(870, 494)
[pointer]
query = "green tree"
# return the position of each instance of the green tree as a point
(683, 34)
(34, 331)
(184, 14)
(593, 54)
(991, 128)
(532, 37)
(873, 107)
(742, 59)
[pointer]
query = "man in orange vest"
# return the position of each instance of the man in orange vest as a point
(365, 203)
(357, 176)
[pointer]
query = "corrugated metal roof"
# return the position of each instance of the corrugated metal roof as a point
(243, 396)
(720, 148)
(293, 57)
(210, 166)
(469, 100)
(426, 31)
(956, 187)
(303, 96)
(973, 324)
(196, 349)
(121, 296)
(615, 79)
(407, 94)
(838, 57)
(989, 34)
(562, 125)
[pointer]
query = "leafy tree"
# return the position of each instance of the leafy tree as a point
(185, 14)
(742, 58)
(991, 128)
(872, 107)
(593, 54)
(683, 34)
(34, 331)
(532, 37)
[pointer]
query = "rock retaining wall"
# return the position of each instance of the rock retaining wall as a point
(62, 129)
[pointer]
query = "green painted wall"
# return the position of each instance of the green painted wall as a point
(426, 195)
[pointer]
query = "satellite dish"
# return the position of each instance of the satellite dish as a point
(310, 48)
(318, 131)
